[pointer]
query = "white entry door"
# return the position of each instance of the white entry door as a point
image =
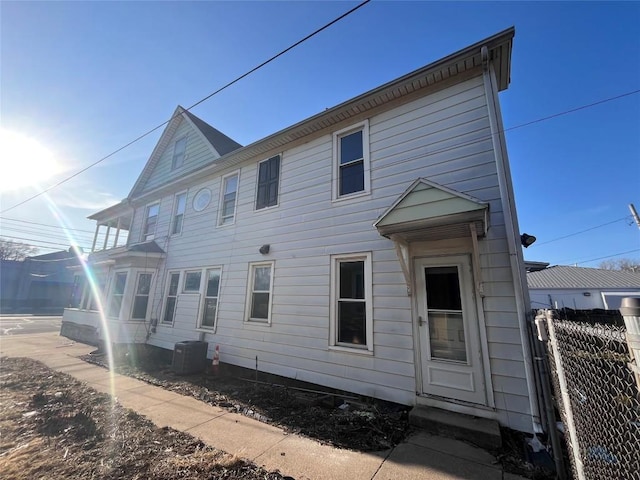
(448, 324)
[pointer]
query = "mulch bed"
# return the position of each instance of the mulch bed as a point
(54, 426)
(341, 420)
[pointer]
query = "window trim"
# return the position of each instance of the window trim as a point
(147, 209)
(135, 295)
(174, 213)
(184, 155)
(277, 204)
(366, 161)
(223, 181)
(368, 297)
(249, 296)
(165, 297)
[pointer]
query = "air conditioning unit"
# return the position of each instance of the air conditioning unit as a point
(190, 357)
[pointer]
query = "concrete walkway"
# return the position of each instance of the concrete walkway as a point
(422, 456)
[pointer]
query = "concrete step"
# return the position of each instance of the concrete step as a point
(479, 431)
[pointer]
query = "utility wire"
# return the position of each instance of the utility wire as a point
(43, 241)
(44, 225)
(606, 256)
(582, 231)
(140, 137)
(47, 235)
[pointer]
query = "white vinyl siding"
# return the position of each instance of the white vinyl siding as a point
(444, 137)
(197, 153)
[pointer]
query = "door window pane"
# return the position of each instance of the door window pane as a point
(444, 312)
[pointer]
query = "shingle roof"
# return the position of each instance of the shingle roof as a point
(219, 140)
(146, 247)
(579, 277)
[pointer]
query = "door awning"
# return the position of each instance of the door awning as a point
(428, 211)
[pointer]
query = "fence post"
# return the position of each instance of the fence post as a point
(566, 400)
(630, 310)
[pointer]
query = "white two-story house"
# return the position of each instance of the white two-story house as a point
(373, 247)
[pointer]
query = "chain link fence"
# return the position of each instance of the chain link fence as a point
(596, 394)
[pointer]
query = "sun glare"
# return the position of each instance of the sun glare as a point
(24, 161)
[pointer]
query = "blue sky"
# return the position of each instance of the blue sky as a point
(85, 78)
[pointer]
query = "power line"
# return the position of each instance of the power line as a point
(43, 241)
(607, 256)
(224, 87)
(582, 231)
(45, 225)
(35, 231)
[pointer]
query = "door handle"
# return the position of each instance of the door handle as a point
(420, 320)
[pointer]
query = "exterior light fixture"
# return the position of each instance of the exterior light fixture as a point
(527, 240)
(264, 249)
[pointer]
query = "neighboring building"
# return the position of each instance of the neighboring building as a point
(373, 247)
(42, 284)
(581, 288)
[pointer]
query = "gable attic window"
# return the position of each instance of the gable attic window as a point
(228, 199)
(179, 150)
(268, 179)
(151, 221)
(351, 161)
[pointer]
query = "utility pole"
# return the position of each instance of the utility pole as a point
(635, 214)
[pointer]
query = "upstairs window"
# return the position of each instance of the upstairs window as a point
(151, 221)
(268, 179)
(228, 199)
(351, 167)
(178, 213)
(179, 150)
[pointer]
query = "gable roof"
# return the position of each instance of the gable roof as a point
(216, 138)
(429, 210)
(561, 276)
(218, 142)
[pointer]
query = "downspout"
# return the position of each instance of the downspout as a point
(516, 259)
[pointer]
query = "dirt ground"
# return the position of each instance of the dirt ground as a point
(335, 418)
(53, 426)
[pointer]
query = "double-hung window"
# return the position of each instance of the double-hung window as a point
(172, 298)
(228, 199)
(150, 222)
(259, 292)
(212, 288)
(179, 150)
(141, 298)
(117, 294)
(351, 161)
(268, 179)
(179, 207)
(352, 310)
